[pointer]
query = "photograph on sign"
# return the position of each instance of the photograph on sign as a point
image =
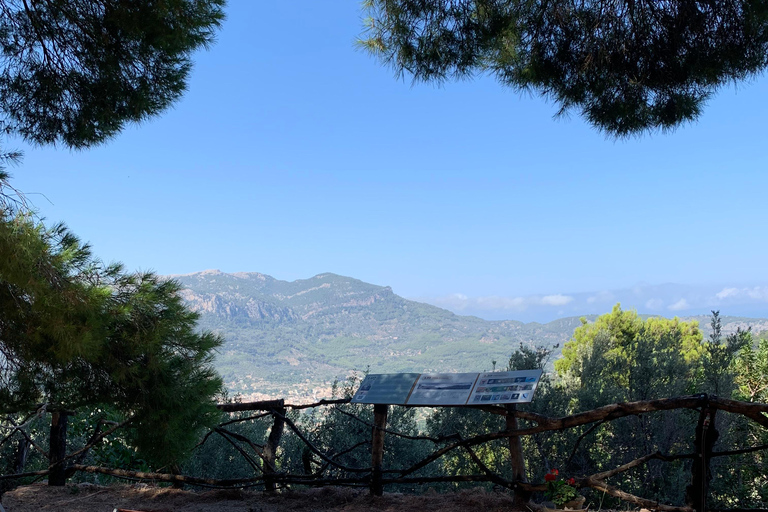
(515, 387)
(385, 388)
(442, 389)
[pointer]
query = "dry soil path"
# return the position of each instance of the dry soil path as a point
(91, 498)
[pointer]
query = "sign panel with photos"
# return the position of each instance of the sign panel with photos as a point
(505, 387)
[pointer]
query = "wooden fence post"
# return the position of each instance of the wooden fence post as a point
(516, 457)
(270, 450)
(58, 448)
(706, 435)
(377, 448)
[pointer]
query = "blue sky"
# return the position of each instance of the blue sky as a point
(293, 154)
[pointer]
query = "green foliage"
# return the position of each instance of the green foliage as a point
(16, 454)
(621, 357)
(718, 358)
(527, 358)
(116, 451)
(76, 71)
(627, 67)
(742, 479)
(74, 333)
(751, 368)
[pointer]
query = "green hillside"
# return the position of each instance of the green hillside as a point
(298, 336)
(282, 333)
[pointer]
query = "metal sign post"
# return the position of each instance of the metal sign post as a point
(377, 448)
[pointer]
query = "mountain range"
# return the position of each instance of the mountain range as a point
(294, 338)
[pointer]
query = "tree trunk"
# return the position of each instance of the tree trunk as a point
(58, 448)
(20, 459)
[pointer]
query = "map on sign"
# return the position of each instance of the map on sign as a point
(505, 387)
(381, 388)
(442, 389)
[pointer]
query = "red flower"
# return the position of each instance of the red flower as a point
(550, 477)
(571, 481)
(554, 472)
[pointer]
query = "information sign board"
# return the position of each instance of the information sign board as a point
(436, 389)
(505, 387)
(442, 389)
(385, 388)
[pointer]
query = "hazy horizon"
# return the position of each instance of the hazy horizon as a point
(668, 300)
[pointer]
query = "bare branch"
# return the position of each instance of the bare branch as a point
(631, 498)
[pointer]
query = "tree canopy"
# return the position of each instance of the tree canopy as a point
(75, 332)
(622, 357)
(627, 66)
(76, 71)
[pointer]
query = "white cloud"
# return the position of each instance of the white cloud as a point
(603, 296)
(460, 302)
(758, 293)
(654, 304)
(679, 305)
(494, 302)
(727, 292)
(556, 300)
(454, 301)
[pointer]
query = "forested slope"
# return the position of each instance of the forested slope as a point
(302, 334)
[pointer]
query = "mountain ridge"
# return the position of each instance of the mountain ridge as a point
(298, 336)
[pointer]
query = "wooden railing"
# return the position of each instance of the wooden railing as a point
(267, 472)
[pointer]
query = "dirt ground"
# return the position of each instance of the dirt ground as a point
(144, 498)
